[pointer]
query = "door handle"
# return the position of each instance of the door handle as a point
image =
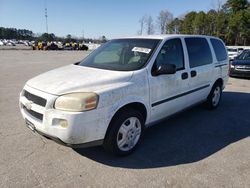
(193, 73)
(184, 76)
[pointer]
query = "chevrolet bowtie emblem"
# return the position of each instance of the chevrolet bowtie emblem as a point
(28, 105)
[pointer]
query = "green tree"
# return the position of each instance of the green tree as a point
(200, 23)
(239, 28)
(175, 26)
(13, 33)
(211, 24)
(221, 25)
(236, 5)
(47, 37)
(103, 39)
(238, 14)
(231, 23)
(68, 38)
(187, 25)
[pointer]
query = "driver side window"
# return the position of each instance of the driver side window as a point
(171, 53)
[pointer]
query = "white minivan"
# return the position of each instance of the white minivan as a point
(124, 86)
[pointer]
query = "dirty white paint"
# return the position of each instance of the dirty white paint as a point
(116, 89)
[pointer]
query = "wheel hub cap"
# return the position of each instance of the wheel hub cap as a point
(216, 96)
(129, 134)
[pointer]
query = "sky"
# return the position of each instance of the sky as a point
(91, 18)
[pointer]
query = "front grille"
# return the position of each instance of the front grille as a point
(33, 113)
(242, 67)
(35, 99)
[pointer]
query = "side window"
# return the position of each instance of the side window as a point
(219, 49)
(171, 53)
(198, 51)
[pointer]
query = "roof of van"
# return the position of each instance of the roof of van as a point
(162, 36)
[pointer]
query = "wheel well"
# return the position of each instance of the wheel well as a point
(219, 81)
(136, 105)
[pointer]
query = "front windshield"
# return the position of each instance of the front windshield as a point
(245, 55)
(121, 54)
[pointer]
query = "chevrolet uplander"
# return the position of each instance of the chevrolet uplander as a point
(124, 86)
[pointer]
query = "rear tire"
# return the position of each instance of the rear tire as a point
(125, 132)
(214, 98)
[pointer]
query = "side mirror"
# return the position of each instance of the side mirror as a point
(165, 69)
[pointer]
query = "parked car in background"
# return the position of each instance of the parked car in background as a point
(232, 53)
(1, 43)
(83, 47)
(240, 66)
(67, 46)
(60, 45)
(240, 50)
(75, 46)
(124, 86)
(27, 43)
(10, 43)
(52, 46)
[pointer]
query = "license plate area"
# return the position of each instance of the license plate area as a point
(30, 125)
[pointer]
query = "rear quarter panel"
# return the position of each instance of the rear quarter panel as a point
(221, 67)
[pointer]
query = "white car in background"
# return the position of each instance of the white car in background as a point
(10, 43)
(123, 87)
(1, 43)
(232, 53)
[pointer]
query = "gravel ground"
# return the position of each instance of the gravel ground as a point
(17, 47)
(197, 148)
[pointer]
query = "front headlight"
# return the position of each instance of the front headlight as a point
(232, 66)
(77, 102)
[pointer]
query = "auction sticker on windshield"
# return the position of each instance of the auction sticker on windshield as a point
(142, 50)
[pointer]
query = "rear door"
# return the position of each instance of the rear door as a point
(201, 68)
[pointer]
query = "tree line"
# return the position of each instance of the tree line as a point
(13, 33)
(229, 21)
(24, 34)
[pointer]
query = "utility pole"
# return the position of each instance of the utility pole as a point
(46, 17)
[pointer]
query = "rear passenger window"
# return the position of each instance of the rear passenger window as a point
(198, 51)
(219, 49)
(171, 53)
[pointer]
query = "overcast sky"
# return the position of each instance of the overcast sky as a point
(93, 18)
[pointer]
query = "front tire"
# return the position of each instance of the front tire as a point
(214, 97)
(125, 132)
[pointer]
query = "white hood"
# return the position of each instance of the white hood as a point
(73, 78)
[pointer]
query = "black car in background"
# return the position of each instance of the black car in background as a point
(240, 66)
(52, 46)
(83, 47)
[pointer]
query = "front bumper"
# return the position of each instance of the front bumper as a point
(239, 73)
(59, 141)
(82, 127)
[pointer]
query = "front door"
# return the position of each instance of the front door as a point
(167, 92)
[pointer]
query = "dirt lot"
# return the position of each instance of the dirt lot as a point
(197, 148)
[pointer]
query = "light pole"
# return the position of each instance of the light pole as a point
(46, 17)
